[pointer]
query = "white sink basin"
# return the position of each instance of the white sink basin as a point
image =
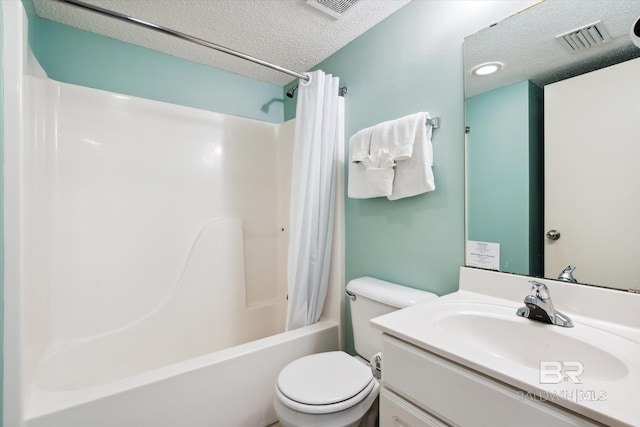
(477, 328)
(593, 358)
(498, 331)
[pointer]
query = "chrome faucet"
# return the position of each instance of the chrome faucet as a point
(567, 274)
(538, 306)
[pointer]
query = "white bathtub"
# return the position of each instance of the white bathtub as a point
(200, 358)
(232, 387)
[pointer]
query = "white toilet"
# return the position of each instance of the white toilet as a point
(335, 389)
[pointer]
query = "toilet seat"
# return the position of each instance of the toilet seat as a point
(323, 383)
(325, 409)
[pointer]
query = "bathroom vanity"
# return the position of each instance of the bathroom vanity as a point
(466, 359)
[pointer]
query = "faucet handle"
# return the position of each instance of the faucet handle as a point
(567, 274)
(539, 290)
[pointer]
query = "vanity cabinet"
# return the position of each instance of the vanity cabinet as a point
(423, 389)
(397, 412)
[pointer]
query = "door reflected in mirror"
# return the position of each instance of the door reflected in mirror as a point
(521, 167)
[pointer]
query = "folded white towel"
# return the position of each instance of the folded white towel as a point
(359, 145)
(396, 136)
(357, 187)
(378, 159)
(380, 182)
(405, 142)
(379, 166)
(373, 177)
(367, 183)
(414, 176)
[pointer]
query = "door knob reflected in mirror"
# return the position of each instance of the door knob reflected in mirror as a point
(553, 234)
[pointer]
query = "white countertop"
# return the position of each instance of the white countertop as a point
(606, 344)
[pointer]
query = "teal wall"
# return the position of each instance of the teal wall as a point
(504, 170)
(410, 62)
(79, 57)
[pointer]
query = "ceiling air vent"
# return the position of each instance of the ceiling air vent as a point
(334, 8)
(584, 37)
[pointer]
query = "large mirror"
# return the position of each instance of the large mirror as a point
(522, 171)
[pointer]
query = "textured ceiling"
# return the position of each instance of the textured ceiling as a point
(525, 43)
(289, 33)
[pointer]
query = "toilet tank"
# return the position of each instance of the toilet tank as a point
(373, 298)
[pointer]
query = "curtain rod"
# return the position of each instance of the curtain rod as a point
(183, 36)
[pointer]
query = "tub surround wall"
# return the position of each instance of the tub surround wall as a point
(14, 66)
(121, 190)
(116, 305)
(141, 220)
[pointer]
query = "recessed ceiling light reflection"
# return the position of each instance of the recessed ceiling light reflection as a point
(487, 68)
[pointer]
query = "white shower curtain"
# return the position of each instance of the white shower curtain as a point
(313, 182)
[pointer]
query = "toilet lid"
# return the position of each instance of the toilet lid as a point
(324, 378)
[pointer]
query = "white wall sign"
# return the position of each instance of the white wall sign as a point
(483, 255)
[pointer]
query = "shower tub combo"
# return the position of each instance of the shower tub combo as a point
(163, 253)
(154, 239)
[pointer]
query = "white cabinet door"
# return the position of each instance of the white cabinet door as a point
(397, 412)
(592, 176)
(461, 397)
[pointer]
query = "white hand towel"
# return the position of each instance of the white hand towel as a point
(396, 136)
(379, 166)
(373, 177)
(415, 176)
(379, 182)
(357, 187)
(359, 145)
